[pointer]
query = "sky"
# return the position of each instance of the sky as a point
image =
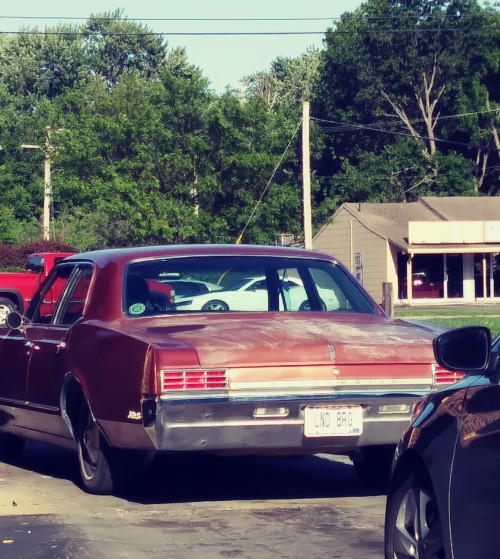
(224, 60)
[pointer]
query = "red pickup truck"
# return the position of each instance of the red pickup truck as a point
(17, 288)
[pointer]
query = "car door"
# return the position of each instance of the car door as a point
(475, 479)
(40, 371)
(48, 366)
(16, 351)
(20, 346)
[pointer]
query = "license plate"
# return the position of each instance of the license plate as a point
(333, 421)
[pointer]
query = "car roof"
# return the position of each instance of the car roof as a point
(110, 263)
(124, 255)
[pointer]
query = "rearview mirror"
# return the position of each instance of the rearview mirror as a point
(464, 349)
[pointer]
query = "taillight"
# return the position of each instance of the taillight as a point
(441, 376)
(194, 379)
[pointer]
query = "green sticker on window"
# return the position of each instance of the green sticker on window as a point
(137, 308)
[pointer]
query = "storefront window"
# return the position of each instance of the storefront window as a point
(427, 276)
(455, 275)
(496, 274)
(445, 276)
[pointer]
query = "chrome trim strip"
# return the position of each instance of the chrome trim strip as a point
(200, 395)
(421, 381)
(290, 384)
(264, 396)
(30, 405)
(387, 419)
(309, 385)
(233, 423)
(334, 394)
(277, 421)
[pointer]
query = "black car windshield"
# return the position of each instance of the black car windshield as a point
(240, 283)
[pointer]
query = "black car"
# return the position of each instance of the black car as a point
(444, 495)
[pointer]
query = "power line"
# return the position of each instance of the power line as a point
(345, 127)
(396, 121)
(344, 18)
(163, 33)
(372, 177)
(194, 19)
(248, 33)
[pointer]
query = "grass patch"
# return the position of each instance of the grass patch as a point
(455, 317)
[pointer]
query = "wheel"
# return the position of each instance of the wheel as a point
(215, 305)
(306, 305)
(94, 456)
(10, 447)
(413, 524)
(6, 307)
(373, 464)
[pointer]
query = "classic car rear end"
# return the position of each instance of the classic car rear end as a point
(298, 385)
(123, 367)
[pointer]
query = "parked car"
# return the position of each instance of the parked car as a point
(120, 372)
(246, 294)
(423, 287)
(444, 495)
(251, 294)
(17, 288)
(190, 287)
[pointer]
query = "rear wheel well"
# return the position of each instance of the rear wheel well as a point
(409, 464)
(72, 401)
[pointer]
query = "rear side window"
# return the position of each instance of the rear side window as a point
(240, 284)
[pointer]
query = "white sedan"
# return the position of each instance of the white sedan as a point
(251, 294)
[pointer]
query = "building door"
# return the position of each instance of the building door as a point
(482, 276)
(455, 275)
(495, 264)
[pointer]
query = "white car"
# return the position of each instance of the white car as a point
(251, 294)
(191, 287)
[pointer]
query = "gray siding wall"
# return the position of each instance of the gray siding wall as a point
(344, 237)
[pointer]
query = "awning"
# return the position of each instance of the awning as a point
(459, 248)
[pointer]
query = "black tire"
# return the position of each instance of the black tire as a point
(413, 523)
(11, 447)
(373, 464)
(215, 305)
(94, 456)
(306, 306)
(6, 307)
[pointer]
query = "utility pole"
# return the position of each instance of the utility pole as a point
(306, 176)
(48, 151)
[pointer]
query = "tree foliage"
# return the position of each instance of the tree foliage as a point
(405, 103)
(428, 71)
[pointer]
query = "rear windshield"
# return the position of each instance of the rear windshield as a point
(240, 283)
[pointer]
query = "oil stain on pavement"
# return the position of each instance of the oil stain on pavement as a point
(40, 537)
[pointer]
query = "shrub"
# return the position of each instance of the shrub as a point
(14, 257)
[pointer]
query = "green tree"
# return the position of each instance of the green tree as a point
(130, 155)
(288, 82)
(250, 183)
(116, 45)
(35, 65)
(422, 70)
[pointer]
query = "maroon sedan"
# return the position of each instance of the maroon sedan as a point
(123, 369)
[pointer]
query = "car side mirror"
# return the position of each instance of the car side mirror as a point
(464, 349)
(14, 320)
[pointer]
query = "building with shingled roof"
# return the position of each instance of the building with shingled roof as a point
(449, 246)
